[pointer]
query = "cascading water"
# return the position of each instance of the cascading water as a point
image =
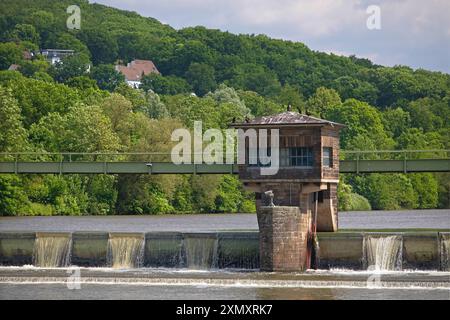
(52, 250)
(383, 253)
(445, 252)
(126, 251)
(201, 252)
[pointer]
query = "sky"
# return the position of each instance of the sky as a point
(415, 33)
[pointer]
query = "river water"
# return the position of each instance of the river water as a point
(163, 284)
(408, 219)
(29, 282)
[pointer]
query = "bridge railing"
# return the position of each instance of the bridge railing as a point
(394, 154)
(166, 157)
(85, 156)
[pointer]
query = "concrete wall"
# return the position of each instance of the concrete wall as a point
(16, 248)
(345, 250)
(164, 249)
(238, 250)
(340, 250)
(89, 249)
(421, 250)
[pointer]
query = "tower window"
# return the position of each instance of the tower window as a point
(296, 157)
(327, 157)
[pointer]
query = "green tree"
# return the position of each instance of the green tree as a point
(396, 121)
(120, 112)
(25, 32)
(229, 197)
(82, 129)
(258, 105)
(10, 53)
(13, 136)
(70, 67)
(154, 108)
(292, 96)
(82, 83)
(426, 187)
(38, 98)
(13, 199)
(360, 119)
(101, 44)
(201, 78)
(387, 192)
(107, 77)
(29, 68)
(322, 100)
(170, 85)
(349, 87)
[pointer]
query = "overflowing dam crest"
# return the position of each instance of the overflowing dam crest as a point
(383, 253)
(52, 250)
(201, 252)
(445, 252)
(126, 250)
(220, 250)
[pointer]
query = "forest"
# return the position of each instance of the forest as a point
(67, 107)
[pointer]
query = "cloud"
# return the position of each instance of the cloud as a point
(413, 32)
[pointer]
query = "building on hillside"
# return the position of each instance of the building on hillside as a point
(135, 70)
(55, 55)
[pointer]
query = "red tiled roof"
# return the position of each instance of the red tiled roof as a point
(136, 69)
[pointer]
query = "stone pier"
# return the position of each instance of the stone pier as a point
(283, 238)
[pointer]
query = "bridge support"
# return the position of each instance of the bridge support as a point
(283, 238)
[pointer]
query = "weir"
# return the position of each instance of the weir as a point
(383, 253)
(201, 252)
(222, 250)
(125, 250)
(164, 249)
(52, 250)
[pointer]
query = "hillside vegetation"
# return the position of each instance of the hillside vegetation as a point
(66, 108)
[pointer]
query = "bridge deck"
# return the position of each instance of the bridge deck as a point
(142, 167)
(159, 163)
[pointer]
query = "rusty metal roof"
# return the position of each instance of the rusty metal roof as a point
(285, 118)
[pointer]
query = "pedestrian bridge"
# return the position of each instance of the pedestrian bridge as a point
(383, 161)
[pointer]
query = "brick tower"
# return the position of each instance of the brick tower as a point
(304, 188)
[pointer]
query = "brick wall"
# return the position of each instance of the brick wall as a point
(283, 238)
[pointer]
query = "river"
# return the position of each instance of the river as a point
(408, 219)
(29, 282)
(163, 284)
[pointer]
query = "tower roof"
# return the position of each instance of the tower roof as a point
(288, 118)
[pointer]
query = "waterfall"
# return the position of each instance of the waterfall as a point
(445, 252)
(383, 253)
(52, 250)
(201, 252)
(126, 250)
